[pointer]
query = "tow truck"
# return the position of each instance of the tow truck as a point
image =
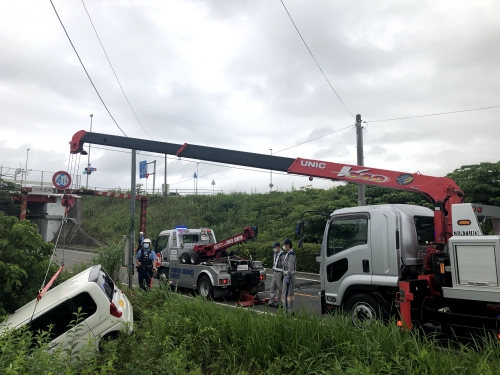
(192, 259)
(430, 267)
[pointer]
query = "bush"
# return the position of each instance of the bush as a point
(24, 258)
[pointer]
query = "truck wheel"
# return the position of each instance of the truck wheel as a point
(205, 288)
(185, 258)
(224, 253)
(163, 276)
(363, 309)
(195, 258)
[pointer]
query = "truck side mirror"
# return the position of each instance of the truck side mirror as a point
(299, 228)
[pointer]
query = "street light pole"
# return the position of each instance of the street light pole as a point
(271, 182)
(26, 168)
(197, 178)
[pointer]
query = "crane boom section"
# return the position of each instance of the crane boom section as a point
(441, 191)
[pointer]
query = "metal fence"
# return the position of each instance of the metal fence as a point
(36, 177)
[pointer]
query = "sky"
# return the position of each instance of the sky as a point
(237, 75)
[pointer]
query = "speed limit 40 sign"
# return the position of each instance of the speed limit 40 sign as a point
(61, 180)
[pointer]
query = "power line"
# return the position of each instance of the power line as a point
(313, 139)
(116, 76)
(437, 114)
(324, 75)
(83, 66)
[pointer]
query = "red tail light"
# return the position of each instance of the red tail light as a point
(114, 311)
(262, 277)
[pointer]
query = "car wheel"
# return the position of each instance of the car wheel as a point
(185, 258)
(205, 288)
(110, 336)
(195, 258)
(363, 309)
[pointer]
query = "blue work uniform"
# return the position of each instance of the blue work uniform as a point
(145, 270)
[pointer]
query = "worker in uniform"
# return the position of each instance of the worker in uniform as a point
(146, 264)
(141, 241)
(277, 281)
(289, 268)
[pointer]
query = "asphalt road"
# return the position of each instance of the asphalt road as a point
(306, 289)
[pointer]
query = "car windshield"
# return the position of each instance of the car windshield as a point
(424, 226)
(101, 278)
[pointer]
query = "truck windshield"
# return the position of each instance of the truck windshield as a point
(424, 226)
(190, 238)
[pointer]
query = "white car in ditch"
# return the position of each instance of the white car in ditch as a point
(105, 311)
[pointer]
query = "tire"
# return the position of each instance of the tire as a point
(205, 288)
(363, 309)
(195, 258)
(224, 254)
(233, 254)
(110, 336)
(163, 276)
(185, 258)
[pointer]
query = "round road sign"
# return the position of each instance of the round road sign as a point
(61, 180)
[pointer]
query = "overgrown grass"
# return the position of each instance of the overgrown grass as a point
(179, 335)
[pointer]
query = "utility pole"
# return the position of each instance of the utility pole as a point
(154, 177)
(359, 146)
(88, 159)
(132, 222)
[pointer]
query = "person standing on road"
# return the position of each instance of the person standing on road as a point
(277, 281)
(289, 268)
(146, 264)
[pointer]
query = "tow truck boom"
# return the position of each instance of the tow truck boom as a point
(215, 249)
(441, 191)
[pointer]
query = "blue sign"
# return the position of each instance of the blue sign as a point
(195, 176)
(143, 169)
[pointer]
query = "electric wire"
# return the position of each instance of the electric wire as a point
(83, 66)
(116, 76)
(437, 114)
(324, 75)
(313, 139)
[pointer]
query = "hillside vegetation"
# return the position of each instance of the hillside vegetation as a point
(275, 214)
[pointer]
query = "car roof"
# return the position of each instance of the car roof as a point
(50, 298)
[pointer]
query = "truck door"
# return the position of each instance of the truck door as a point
(346, 255)
(162, 247)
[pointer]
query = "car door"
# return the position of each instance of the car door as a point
(61, 320)
(347, 256)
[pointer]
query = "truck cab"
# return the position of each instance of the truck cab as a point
(173, 243)
(367, 250)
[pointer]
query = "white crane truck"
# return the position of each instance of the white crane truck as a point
(433, 267)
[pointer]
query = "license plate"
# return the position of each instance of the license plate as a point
(122, 303)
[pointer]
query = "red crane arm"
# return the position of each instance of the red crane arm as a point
(211, 249)
(435, 188)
